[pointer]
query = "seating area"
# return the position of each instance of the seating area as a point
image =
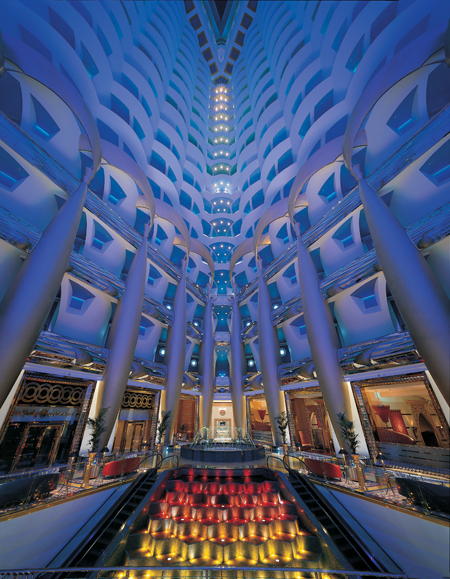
(120, 467)
(323, 468)
(392, 437)
(261, 426)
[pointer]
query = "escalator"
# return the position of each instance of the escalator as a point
(344, 537)
(93, 546)
(107, 529)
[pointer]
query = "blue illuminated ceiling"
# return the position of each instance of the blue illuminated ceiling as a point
(221, 6)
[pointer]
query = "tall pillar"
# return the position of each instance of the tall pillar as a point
(30, 296)
(174, 358)
(122, 341)
(237, 365)
(419, 296)
(269, 355)
(206, 365)
(323, 340)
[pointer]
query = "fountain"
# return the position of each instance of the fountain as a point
(216, 445)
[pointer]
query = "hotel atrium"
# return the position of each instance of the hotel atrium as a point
(224, 256)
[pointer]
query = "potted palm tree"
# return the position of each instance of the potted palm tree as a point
(97, 426)
(347, 429)
(163, 425)
(182, 429)
(282, 423)
(348, 433)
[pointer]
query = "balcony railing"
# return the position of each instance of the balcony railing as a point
(28, 489)
(12, 135)
(393, 349)
(421, 490)
(53, 349)
(417, 146)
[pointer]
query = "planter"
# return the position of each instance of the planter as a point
(359, 470)
(165, 449)
(87, 472)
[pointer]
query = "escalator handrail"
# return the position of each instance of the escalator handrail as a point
(313, 474)
(124, 480)
(124, 503)
(310, 471)
(343, 525)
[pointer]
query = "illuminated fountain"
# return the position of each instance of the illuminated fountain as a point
(213, 445)
(230, 518)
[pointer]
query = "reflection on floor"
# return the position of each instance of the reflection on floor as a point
(388, 494)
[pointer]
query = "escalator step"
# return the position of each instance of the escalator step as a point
(359, 563)
(104, 541)
(115, 526)
(93, 555)
(336, 535)
(334, 531)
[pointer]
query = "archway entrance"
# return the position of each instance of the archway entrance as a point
(427, 432)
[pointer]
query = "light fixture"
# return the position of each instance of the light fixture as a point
(162, 352)
(282, 352)
(251, 363)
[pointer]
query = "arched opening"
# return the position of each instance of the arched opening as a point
(427, 432)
